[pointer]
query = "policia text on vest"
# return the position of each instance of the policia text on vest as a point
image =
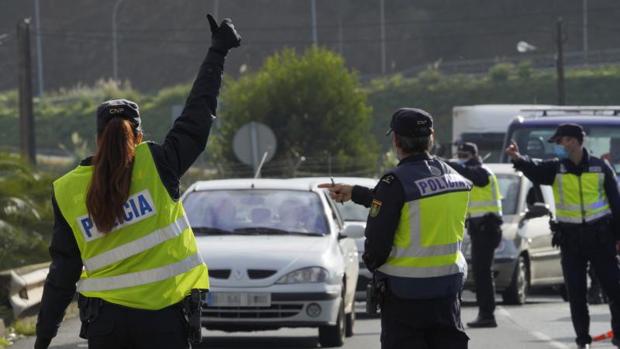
(139, 279)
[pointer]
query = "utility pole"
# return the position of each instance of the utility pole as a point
(115, 40)
(24, 78)
(560, 63)
(216, 9)
(585, 31)
(382, 20)
(315, 39)
(37, 22)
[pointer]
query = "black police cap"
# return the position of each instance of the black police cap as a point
(411, 122)
(467, 147)
(122, 108)
(568, 130)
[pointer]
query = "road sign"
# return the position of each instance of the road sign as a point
(252, 141)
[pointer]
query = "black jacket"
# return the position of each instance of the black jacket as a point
(543, 173)
(182, 145)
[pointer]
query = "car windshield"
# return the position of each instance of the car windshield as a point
(509, 187)
(601, 141)
(352, 212)
(254, 212)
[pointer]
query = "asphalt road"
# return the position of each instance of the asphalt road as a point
(544, 322)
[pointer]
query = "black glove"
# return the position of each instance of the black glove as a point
(223, 37)
(42, 343)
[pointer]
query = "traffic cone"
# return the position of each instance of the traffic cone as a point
(601, 337)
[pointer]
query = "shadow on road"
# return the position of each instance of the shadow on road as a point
(260, 342)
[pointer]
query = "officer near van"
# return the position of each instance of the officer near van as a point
(484, 226)
(413, 243)
(587, 222)
(118, 217)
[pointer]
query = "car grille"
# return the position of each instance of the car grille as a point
(273, 312)
(219, 273)
(260, 273)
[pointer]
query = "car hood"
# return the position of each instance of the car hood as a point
(281, 254)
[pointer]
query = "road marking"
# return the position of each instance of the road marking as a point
(549, 340)
(539, 335)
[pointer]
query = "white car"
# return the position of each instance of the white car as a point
(524, 257)
(354, 215)
(278, 256)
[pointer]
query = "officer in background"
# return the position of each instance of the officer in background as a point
(588, 221)
(414, 235)
(484, 226)
(118, 215)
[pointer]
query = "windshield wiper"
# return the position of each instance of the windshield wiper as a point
(210, 231)
(271, 231)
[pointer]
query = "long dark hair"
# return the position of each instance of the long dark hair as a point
(111, 180)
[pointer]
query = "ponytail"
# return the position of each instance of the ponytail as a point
(111, 180)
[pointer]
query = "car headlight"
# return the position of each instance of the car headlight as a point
(305, 275)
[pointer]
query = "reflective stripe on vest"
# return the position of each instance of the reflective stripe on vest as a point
(150, 260)
(428, 239)
(580, 199)
(141, 277)
(137, 246)
(485, 200)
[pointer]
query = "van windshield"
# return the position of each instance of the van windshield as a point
(601, 141)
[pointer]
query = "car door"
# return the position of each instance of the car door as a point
(545, 268)
(349, 252)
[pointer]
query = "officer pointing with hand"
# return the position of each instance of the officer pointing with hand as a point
(587, 227)
(414, 235)
(120, 231)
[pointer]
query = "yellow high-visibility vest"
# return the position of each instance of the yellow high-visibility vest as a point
(580, 199)
(485, 200)
(429, 236)
(148, 261)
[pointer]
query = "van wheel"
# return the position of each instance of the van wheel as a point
(331, 336)
(516, 293)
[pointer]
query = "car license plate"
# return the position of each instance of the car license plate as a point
(238, 299)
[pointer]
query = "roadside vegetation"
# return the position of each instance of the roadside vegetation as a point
(325, 121)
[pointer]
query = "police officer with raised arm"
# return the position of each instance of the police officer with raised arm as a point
(587, 227)
(484, 221)
(414, 235)
(120, 230)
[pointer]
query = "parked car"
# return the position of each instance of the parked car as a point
(278, 256)
(524, 257)
(354, 215)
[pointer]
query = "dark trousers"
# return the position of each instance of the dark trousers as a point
(484, 240)
(127, 328)
(581, 247)
(421, 324)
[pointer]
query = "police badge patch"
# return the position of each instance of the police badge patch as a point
(375, 207)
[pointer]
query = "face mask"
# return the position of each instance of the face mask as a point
(560, 151)
(461, 161)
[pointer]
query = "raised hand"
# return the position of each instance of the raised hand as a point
(223, 36)
(513, 151)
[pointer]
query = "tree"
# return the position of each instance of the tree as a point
(316, 108)
(25, 213)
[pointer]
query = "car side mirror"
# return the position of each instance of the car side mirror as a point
(537, 210)
(353, 231)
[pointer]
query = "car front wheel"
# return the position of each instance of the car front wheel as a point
(516, 293)
(333, 335)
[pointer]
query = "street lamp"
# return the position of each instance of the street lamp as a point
(114, 41)
(523, 47)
